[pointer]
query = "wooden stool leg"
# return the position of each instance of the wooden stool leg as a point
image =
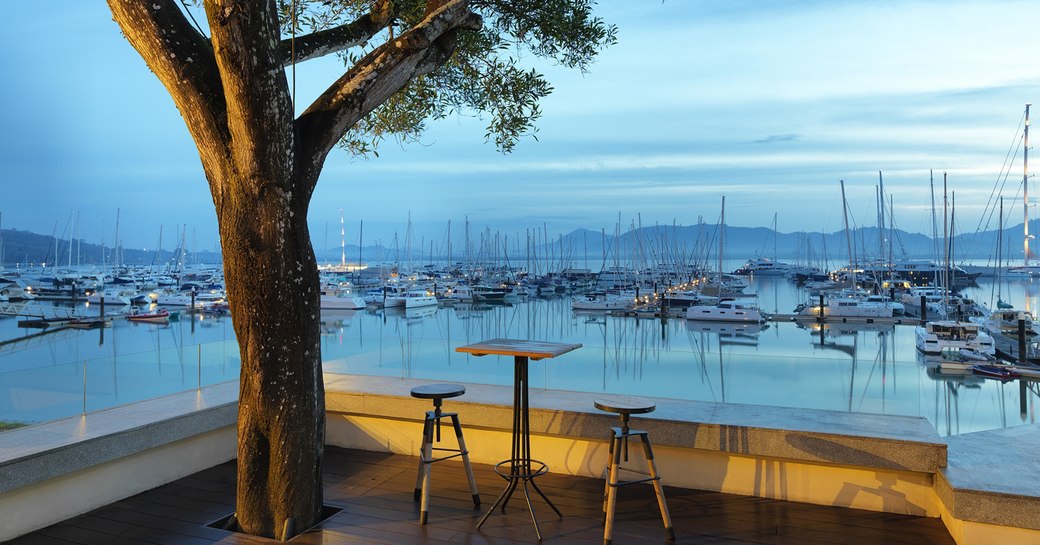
(422, 462)
(465, 461)
(606, 472)
(424, 509)
(612, 486)
(658, 489)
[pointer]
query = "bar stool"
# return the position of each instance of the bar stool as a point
(431, 434)
(626, 406)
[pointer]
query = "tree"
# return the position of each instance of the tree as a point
(262, 163)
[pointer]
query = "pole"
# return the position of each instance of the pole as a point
(1021, 338)
(84, 387)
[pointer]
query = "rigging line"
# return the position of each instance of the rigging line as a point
(192, 17)
(1009, 158)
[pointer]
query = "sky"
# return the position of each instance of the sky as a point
(769, 103)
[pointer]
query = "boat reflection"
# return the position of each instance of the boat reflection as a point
(729, 332)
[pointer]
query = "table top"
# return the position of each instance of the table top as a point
(535, 350)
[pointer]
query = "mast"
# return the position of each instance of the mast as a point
(1000, 242)
(935, 227)
(360, 246)
(848, 236)
(722, 233)
(946, 247)
(1025, 188)
(342, 242)
(881, 216)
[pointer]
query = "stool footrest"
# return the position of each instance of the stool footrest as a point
(636, 471)
(513, 469)
(442, 458)
(623, 483)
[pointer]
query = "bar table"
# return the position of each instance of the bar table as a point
(520, 468)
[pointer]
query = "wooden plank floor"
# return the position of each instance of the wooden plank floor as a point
(374, 491)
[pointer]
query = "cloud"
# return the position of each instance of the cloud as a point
(778, 138)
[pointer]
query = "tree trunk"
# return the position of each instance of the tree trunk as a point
(273, 288)
(262, 166)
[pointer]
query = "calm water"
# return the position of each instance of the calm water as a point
(870, 369)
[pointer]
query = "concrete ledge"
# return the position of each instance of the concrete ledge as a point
(55, 471)
(990, 477)
(868, 441)
(47, 451)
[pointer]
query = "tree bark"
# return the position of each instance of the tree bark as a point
(272, 282)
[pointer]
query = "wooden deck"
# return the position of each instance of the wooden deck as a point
(375, 493)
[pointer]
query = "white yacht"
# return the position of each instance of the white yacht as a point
(762, 266)
(602, 302)
(14, 292)
(340, 299)
(846, 307)
(1004, 321)
(415, 298)
(726, 311)
(115, 296)
(935, 337)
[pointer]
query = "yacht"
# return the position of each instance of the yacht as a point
(115, 295)
(846, 307)
(726, 311)
(1004, 321)
(602, 302)
(935, 337)
(333, 298)
(415, 298)
(765, 267)
(14, 292)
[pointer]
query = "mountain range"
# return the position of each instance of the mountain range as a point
(645, 244)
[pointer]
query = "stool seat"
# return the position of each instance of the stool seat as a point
(438, 391)
(625, 405)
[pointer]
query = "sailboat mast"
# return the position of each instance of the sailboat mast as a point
(342, 242)
(722, 233)
(1025, 187)
(946, 247)
(881, 216)
(848, 237)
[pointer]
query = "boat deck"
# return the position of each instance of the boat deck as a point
(374, 491)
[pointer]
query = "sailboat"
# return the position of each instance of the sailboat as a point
(726, 310)
(937, 336)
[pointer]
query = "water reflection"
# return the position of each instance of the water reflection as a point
(870, 368)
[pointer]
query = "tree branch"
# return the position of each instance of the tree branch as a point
(182, 59)
(319, 44)
(378, 75)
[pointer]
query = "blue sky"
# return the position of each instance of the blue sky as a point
(769, 103)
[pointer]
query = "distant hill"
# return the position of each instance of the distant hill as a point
(688, 243)
(21, 248)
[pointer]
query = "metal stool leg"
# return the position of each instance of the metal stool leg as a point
(612, 486)
(465, 461)
(658, 489)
